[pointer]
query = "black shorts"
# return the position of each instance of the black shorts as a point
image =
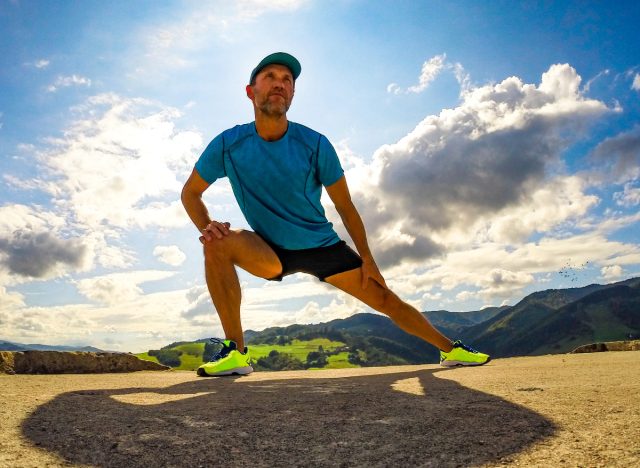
(320, 262)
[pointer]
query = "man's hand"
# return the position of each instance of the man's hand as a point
(370, 270)
(214, 229)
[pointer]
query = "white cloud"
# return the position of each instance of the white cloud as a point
(42, 63)
(140, 322)
(430, 71)
(116, 288)
(119, 166)
(67, 81)
(478, 168)
(500, 271)
(629, 197)
(122, 165)
(9, 301)
(612, 272)
(170, 254)
(618, 157)
(169, 44)
(555, 202)
(276, 304)
(636, 82)
(587, 87)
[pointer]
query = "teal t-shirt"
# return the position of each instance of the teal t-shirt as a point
(277, 184)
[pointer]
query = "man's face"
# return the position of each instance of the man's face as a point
(273, 90)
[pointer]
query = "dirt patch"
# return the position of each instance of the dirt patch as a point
(569, 410)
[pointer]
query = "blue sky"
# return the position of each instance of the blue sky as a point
(493, 149)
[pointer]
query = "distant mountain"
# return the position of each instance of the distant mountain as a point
(557, 321)
(456, 321)
(10, 346)
(551, 321)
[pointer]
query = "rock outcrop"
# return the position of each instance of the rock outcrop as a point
(58, 362)
(631, 345)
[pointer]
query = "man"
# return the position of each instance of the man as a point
(277, 169)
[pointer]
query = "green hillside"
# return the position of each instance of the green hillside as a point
(552, 321)
(191, 354)
(532, 327)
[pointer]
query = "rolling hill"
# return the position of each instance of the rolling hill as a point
(558, 321)
(11, 346)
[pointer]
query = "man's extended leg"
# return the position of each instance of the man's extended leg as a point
(248, 251)
(384, 300)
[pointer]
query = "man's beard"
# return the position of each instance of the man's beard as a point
(273, 109)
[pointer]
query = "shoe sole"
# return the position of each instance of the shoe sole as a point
(237, 371)
(463, 364)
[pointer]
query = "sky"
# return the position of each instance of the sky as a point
(492, 149)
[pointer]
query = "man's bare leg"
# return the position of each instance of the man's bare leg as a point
(248, 251)
(383, 300)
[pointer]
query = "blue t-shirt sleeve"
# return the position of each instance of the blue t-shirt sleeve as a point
(329, 169)
(210, 166)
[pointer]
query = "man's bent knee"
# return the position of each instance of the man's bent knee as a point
(216, 249)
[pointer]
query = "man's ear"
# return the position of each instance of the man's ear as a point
(250, 94)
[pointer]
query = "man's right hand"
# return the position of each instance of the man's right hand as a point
(213, 230)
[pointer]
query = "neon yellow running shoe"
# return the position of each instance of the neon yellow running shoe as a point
(463, 355)
(228, 361)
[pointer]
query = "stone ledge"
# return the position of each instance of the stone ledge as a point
(59, 362)
(631, 345)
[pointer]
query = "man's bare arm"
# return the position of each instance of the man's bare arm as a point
(341, 198)
(197, 210)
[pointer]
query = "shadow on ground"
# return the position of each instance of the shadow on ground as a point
(376, 420)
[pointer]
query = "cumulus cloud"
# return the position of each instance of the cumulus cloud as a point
(612, 272)
(636, 82)
(430, 71)
(117, 288)
(458, 170)
(498, 271)
(274, 304)
(142, 322)
(35, 243)
(40, 255)
(169, 254)
(620, 155)
(121, 164)
(503, 283)
(198, 304)
(67, 81)
(9, 300)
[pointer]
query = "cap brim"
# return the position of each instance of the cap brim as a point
(279, 58)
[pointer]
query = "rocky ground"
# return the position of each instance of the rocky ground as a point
(562, 410)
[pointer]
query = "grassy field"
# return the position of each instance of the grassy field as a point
(191, 357)
(298, 349)
(146, 357)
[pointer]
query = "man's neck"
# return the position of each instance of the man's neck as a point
(271, 129)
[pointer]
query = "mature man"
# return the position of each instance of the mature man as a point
(277, 169)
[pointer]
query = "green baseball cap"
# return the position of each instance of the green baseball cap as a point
(279, 58)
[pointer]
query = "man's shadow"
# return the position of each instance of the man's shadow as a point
(402, 419)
